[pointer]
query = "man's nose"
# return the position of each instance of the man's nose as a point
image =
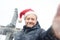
(30, 20)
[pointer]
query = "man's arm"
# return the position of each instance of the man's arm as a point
(54, 32)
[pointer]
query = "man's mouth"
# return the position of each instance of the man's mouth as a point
(31, 23)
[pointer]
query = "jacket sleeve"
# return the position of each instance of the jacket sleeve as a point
(48, 35)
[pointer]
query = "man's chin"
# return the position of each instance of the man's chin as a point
(30, 26)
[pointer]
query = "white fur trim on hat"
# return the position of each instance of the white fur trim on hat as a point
(29, 12)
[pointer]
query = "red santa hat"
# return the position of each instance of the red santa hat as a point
(25, 13)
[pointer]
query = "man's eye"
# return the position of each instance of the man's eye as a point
(28, 18)
(32, 19)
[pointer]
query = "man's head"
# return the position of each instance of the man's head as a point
(30, 17)
(30, 20)
(56, 24)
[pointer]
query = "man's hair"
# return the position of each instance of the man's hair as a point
(28, 14)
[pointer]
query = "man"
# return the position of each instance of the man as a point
(54, 32)
(31, 30)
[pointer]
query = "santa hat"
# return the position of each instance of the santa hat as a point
(25, 13)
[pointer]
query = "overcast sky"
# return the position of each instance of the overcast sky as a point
(45, 9)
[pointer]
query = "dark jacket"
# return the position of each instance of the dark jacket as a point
(29, 33)
(48, 35)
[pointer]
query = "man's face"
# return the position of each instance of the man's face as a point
(30, 20)
(56, 26)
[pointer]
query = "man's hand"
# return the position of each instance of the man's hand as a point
(56, 24)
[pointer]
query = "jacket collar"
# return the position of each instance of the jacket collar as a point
(37, 26)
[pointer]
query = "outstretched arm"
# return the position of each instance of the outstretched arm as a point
(54, 32)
